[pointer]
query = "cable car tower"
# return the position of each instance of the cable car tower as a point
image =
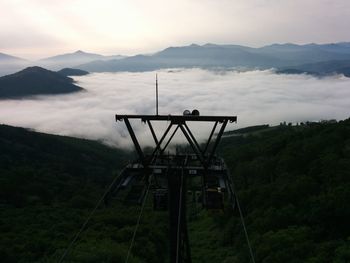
(166, 174)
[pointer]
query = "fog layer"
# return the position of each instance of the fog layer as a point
(256, 97)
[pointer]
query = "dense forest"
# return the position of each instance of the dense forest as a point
(293, 184)
(294, 187)
(48, 186)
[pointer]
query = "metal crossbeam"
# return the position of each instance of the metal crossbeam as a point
(204, 155)
(176, 119)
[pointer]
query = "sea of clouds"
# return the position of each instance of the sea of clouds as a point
(256, 97)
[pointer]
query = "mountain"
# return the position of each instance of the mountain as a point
(73, 59)
(10, 64)
(35, 81)
(113, 57)
(294, 54)
(226, 56)
(206, 56)
(285, 57)
(4, 58)
(320, 68)
(68, 60)
(72, 72)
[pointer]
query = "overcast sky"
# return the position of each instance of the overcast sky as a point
(39, 28)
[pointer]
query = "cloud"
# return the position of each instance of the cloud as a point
(256, 97)
(136, 26)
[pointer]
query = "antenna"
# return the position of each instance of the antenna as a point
(156, 94)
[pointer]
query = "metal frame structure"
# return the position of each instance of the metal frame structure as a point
(204, 155)
(175, 169)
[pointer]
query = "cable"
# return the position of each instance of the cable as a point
(245, 231)
(88, 218)
(137, 224)
(179, 219)
(242, 220)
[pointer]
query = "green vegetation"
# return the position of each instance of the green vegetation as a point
(293, 183)
(294, 187)
(249, 129)
(48, 186)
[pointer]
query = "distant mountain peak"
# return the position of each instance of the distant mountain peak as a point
(210, 45)
(4, 56)
(283, 45)
(79, 52)
(34, 69)
(31, 70)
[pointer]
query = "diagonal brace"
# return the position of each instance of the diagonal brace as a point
(217, 140)
(192, 137)
(160, 142)
(171, 137)
(152, 131)
(134, 140)
(196, 151)
(210, 136)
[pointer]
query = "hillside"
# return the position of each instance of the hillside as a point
(49, 184)
(5, 58)
(321, 68)
(68, 60)
(293, 184)
(35, 81)
(10, 64)
(72, 72)
(72, 59)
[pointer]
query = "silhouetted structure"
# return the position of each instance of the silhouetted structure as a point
(167, 174)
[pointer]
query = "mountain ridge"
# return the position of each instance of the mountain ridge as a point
(228, 56)
(9, 58)
(72, 72)
(35, 81)
(210, 55)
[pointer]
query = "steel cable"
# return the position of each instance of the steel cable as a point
(231, 185)
(88, 218)
(137, 224)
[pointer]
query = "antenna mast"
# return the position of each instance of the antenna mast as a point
(157, 94)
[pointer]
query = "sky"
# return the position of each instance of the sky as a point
(255, 97)
(35, 29)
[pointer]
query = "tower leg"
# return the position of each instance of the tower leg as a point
(179, 243)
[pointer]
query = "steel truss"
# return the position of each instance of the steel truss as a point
(175, 169)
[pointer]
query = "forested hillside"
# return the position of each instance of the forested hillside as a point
(294, 187)
(48, 186)
(293, 184)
